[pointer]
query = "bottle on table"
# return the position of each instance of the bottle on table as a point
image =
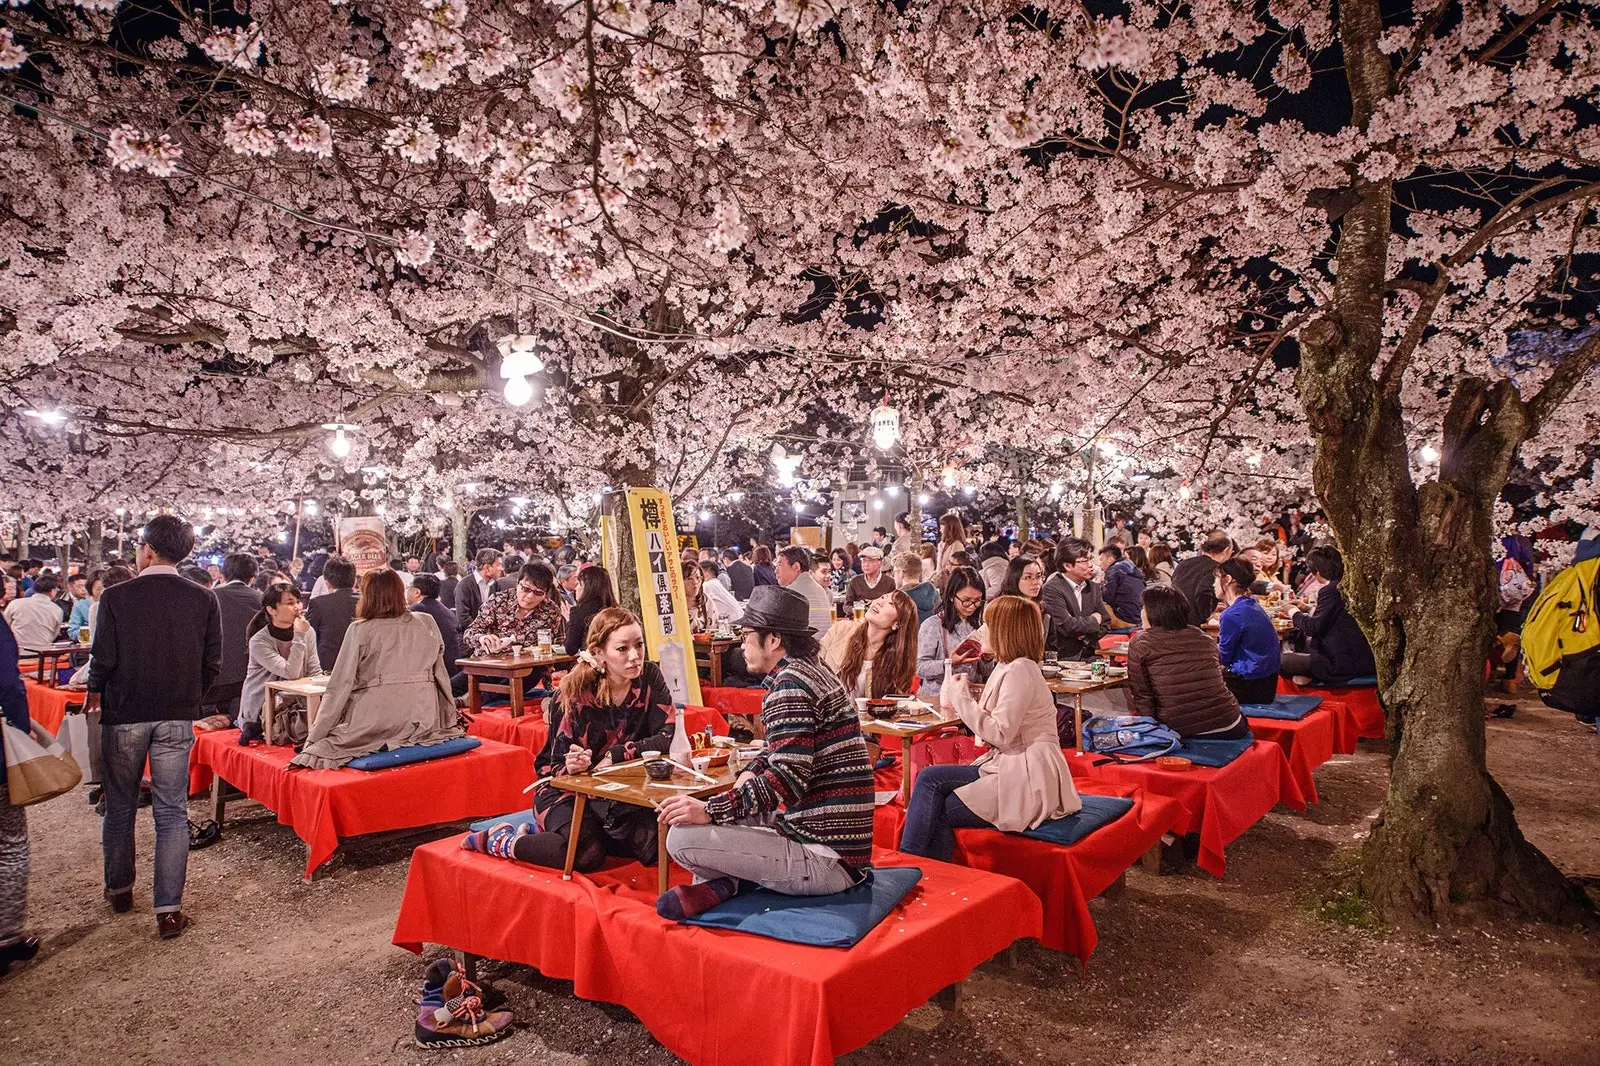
(681, 751)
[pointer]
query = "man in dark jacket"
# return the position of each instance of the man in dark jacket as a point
(1123, 591)
(1075, 615)
(157, 651)
(238, 603)
(740, 574)
(1196, 576)
(475, 588)
(447, 584)
(1336, 649)
(331, 613)
(426, 588)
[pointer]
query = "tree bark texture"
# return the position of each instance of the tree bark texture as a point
(1419, 573)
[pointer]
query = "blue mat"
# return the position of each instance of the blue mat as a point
(515, 818)
(1364, 681)
(412, 753)
(1204, 752)
(1097, 811)
(1288, 708)
(836, 921)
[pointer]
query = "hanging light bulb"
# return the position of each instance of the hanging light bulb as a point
(518, 391)
(1184, 491)
(786, 464)
(1429, 453)
(519, 359)
(948, 477)
(885, 425)
(340, 444)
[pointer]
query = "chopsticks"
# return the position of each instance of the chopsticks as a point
(618, 766)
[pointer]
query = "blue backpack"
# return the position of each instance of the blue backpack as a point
(1129, 735)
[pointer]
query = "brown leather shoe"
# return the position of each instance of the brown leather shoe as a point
(170, 924)
(121, 902)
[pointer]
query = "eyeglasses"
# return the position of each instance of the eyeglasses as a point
(531, 590)
(969, 601)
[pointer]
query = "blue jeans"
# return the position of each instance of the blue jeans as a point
(936, 813)
(124, 749)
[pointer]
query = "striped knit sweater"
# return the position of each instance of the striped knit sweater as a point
(815, 767)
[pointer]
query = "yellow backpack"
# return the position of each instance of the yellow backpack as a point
(1561, 640)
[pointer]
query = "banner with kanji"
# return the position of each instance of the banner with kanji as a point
(663, 606)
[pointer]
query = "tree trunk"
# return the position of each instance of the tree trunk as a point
(1023, 531)
(94, 553)
(458, 534)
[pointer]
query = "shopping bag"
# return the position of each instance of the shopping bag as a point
(74, 738)
(36, 767)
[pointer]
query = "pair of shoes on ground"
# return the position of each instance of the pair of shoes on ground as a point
(18, 951)
(169, 924)
(451, 1012)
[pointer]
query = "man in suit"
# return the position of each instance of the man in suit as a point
(1196, 576)
(331, 614)
(740, 574)
(1072, 602)
(476, 588)
(425, 600)
(449, 578)
(510, 567)
(238, 603)
(157, 651)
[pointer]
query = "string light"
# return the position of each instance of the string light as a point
(922, 499)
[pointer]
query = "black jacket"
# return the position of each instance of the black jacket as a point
(330, 615)
(1339, 650)
(469, 601)
(157, 649)
(1196, 578)
(578, 625)
(238, 603)
(446, 618)
(742, 578)
(447, 591)
(1069, 629)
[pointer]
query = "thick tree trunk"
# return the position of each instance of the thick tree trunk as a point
(94, 552)
(458, 535)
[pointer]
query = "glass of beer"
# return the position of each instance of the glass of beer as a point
(546, 648)
(858, 610)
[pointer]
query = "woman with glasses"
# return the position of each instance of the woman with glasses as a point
(516, 615)
(940, 637)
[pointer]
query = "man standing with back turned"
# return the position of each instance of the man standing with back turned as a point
(157, 650)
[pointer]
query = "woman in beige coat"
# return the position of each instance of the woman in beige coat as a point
(389, 688)
(1023, 781)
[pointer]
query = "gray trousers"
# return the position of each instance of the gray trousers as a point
(754, 851)
(13, 868)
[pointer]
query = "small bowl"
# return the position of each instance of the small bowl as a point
(712, 756)
(884, 708)
(659, 770)
(1174, 762)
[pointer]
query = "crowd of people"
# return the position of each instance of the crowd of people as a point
(166, 643)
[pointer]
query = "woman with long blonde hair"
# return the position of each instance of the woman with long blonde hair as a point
(612, 706)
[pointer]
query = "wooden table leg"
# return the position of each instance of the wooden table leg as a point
(716, 666)
(662, 861)
(474, 694)
(516, 697)
(578, 802)
(269, 710)
(219, 801)
(949, 997)
(1077, 721)
(905, 771)
(313, 705)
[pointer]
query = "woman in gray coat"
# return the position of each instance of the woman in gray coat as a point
(282, 647)
(389, 688)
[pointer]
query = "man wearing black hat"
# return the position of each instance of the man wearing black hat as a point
(799, 818)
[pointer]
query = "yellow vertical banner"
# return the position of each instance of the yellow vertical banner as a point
(662, 603)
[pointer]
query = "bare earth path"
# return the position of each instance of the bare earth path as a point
(1189, 970)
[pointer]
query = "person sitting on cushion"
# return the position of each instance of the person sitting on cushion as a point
(613, 705)
(1174, 675)
(282, 647)
(1023, 780)
(516, 615)
(1336, 649)
(798, 819)
(1246, 641)
(389, 688)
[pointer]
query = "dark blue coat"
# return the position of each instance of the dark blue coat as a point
(1338, 648)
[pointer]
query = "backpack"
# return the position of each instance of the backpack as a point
(1129, 734)
(1561, 640)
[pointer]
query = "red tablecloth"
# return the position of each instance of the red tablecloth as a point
(714, 997)
(1357, 714)
(323, 805)
(731, 700)
(1307, 743)
(48, 706)
(1065, 879)
(1219, 803)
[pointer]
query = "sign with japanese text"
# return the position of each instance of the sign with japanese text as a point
(664, 608)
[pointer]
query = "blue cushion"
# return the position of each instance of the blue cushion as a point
(1203, 752)
(1289, 708)
(1364, 681)
(515, 818)
(383, 760)
(1097, 811)
(836, 921)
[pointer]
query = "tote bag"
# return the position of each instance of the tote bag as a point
(37, 768)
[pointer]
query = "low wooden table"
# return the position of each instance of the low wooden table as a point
(1062, 686)
(1282, 626)
(638, 790)
(513, 670)
(311, 688)
(61, 649)
(708, 651)
(908, 728)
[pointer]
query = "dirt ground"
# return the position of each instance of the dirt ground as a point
(1189, 969)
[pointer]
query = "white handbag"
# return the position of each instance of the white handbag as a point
(37, 768)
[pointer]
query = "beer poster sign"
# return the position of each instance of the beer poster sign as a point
(365, 543)
(664, 607)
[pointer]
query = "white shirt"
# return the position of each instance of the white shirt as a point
(34, 620)
(723, 605)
